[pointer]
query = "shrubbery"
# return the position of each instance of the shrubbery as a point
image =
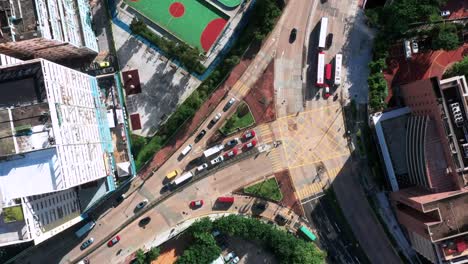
(262, 20)
(459, 68)
(146, 258)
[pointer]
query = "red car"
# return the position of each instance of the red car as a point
(249, 145)
(249, 134)
(114, 241)
(231, 153)
(196, 204)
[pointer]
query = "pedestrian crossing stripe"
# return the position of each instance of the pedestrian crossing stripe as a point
(277, 163)
(332, 173)
(310, 189)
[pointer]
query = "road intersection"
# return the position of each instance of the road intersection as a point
(313, 147)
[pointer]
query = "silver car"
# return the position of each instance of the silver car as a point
(215, 118)
(217, 160)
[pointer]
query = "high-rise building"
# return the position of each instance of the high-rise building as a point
(425, 150)
(50, 29)
(55, 149)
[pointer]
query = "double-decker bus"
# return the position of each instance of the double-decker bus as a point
(320, 69)
(323, 32)
(338, 62)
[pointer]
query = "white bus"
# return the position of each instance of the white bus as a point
(320, 69)
(338, 62)
(323, 32)
(214, 150)
(183, 178)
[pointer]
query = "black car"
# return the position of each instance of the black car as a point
(200, 135)
(329, 40)
(280, 219)
(119, 200)
(292, 36)
(232, 143)
(144, 221)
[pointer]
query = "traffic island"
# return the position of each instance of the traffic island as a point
(267, 189)
(240, 120)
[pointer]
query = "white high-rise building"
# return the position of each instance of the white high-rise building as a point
(50, 29)
(55, 149)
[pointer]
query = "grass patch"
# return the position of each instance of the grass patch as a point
(242, 118)
(13, 214)
(268, 189)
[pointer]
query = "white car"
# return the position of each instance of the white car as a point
(202, 167)
(229, 256)
(217, 160)
(142, 204)
(445, 13)
(234, 260)
(414, 46)
(229, 104)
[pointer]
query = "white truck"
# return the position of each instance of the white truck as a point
(214, 150)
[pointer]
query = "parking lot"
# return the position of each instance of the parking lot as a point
(248, 252)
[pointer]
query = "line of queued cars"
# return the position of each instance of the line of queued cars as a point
(232, 148)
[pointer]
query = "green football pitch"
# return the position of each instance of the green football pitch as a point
(230, 3)
(193, 21)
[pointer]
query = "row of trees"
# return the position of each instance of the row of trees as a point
(146, 258)
(262, 20)
(286, 247)
(394, 22)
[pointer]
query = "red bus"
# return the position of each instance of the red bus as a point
(225, 199)
(328, 71)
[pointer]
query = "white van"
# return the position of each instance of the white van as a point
(186, 150)
(407, 49)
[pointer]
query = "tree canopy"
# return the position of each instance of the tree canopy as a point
(459, 68)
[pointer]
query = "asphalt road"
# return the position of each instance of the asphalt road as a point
(321, 216)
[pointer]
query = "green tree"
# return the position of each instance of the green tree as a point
(152, 254)
(445, 37)
(140, 257)
(138, 143)
(203, 225)
(204, 250)
(459, 68)
(377, 65)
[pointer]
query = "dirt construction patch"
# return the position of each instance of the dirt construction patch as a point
(261, 97)
(287, 189)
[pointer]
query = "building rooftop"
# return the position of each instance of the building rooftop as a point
(443, 214)
(34, 173)
(24, 113)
